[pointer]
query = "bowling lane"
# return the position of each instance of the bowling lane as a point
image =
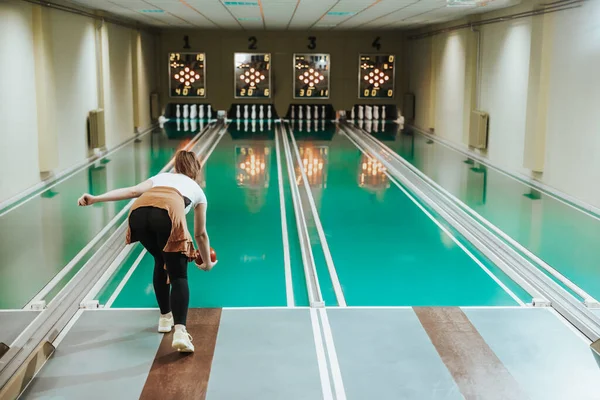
(42, 235)
(559, 234)
(244, 225)
(386, 250)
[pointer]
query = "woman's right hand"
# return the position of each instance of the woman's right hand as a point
(86, 200)
(207, 266)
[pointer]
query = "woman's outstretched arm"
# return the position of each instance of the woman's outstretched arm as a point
(117, 194)
(202, 236)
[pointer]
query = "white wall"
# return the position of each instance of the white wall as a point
(572, 139)
(18, 135)
(76, 91)
(450, 71)
(573, 129)
(504, 78)
(118, 84)
(146, 75)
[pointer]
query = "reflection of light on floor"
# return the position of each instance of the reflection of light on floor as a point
(372, 174)
(447, 240)
(252, 173)
(313, 163)
(252, 166)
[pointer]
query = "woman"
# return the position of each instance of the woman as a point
(157, 220)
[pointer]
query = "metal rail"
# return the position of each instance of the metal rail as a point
(313, 288)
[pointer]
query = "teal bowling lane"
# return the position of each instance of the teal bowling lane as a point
(562, 236)
(243, 223)
(386, 250)
(43, 234)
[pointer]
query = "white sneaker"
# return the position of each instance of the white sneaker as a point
(165, 324)
(182, 341)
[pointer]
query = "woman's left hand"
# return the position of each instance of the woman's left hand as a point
(86, 200)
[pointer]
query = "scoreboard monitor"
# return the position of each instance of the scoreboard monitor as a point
(252, 75)
(187, 77)
(376, 76)
(311, 76)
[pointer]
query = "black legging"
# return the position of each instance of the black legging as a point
(152, 227)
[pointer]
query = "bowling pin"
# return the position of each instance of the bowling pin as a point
(178, 124)
(368, 112)
(383, 112)
(322, 124)
(316, 112)
(269, 115)
(201, 111)
(300, 123)
(238, 125)
(361, 123)
(261, 125)
(201, 125)
(300, 112)
(352, 116)
(238, 113)
(375, 112)
(178, 111)
(308, 124)
(245, 125)
(193, 111)
(253, 115)
(186, 111)
(307, 112)
(323, 112)
(361, 115)
(269, 124)
(253, 126)
(246, 111)
(292, 113)
(186, 124)
(194, 125)
(376, 125)
(261, 113)
(209, 112)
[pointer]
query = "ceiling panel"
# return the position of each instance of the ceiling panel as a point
(290, 14)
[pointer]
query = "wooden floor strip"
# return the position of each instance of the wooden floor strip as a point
(475, 368)
(185, 376)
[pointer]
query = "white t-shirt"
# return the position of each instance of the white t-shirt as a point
(184, 184)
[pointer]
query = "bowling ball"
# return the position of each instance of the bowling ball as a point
(213, 257)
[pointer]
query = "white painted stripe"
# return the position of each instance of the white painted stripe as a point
(122, 284)
(336, 373)
(289, 288)
(335, 281)
(321, 359)
(455, 240)
(63, 176)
